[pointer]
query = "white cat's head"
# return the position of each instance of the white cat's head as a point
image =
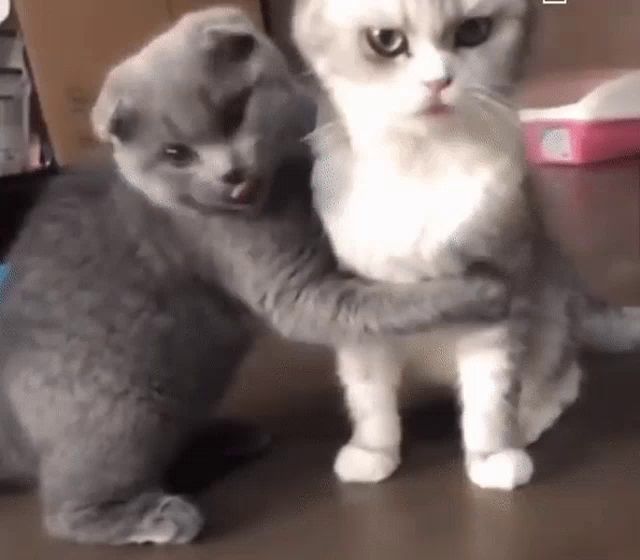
(390, 60)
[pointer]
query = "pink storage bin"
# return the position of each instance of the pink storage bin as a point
(582, 118)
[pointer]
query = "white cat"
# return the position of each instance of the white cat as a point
(420, 173)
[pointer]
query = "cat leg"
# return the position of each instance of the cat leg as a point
(543, 403)
(18, 460)
(370, 376)
(18, 467)
(489, 391)
(551, 382)
(104, 488)
(15, 470)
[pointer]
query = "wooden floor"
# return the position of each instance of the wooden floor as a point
(583, 504)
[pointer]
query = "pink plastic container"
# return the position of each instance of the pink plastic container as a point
(603, 123)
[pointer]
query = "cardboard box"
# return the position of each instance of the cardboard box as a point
(72, 44)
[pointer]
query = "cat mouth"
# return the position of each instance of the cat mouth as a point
(244, 197)
(246, 194)
(437, 108)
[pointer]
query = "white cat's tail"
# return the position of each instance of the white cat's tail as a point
(611, 329)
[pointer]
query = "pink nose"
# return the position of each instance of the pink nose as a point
(439, 85)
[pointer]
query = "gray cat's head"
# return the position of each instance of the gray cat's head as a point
(384, 60)
(198, 118)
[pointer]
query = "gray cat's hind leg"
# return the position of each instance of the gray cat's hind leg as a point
(18, 460)
(107, 491)
(16, 469)
(151, 517)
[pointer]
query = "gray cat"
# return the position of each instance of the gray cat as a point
(135, 294)
(420, 173)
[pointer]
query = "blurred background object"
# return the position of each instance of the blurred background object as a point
(15, 104)
(71, 44)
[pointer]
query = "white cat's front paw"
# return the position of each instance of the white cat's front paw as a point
(359, 464)
(504, 470)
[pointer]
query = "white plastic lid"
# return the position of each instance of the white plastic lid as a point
(4, 10)
(614, 99)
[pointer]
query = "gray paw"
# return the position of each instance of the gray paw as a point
(492, 298)
(492, 289)
(173, 521)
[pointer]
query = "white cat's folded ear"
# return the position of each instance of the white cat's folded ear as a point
(113, 116)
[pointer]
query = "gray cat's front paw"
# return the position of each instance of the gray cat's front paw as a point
(491, 288)
(174, 520)
(492, 297)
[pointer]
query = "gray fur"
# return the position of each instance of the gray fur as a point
(135, 295)
(609, 329)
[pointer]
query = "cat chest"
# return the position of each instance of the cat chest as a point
(398, 227)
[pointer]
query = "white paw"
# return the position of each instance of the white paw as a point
(358, 464)
(504, 470)
(540, 415)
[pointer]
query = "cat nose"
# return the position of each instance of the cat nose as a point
(235, 176)
(439, 85)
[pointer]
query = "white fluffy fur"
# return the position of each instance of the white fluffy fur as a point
(418, 224)
(459, 165)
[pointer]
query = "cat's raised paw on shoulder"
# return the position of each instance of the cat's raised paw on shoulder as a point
(494, 298)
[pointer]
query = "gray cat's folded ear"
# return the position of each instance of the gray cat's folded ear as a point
(114, 116)
(228, 47)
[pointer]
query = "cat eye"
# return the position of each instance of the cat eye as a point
(233, 112)
(473, 32)
(179, 155)
(388, 43)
